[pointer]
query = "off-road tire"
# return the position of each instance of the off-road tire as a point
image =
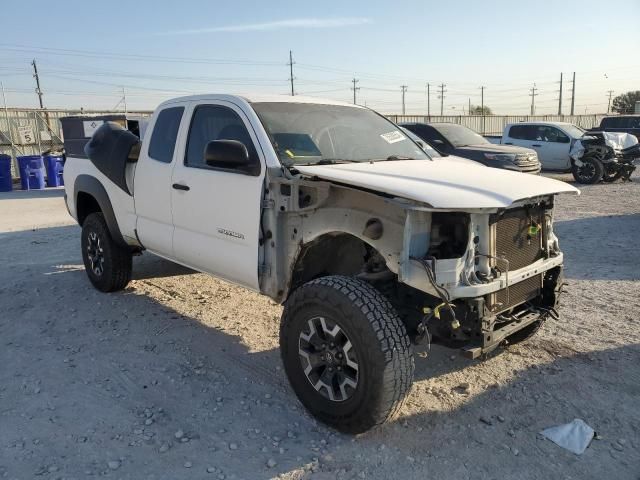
(116, 260)
(594, 165)
(379, 340)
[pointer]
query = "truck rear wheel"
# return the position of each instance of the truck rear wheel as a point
(108, 265)
(346, 353)
(589, 172)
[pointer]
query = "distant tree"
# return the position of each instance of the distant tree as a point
(625, 103)
(477, 110)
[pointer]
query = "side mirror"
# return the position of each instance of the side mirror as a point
(227, 154)
(438, 142)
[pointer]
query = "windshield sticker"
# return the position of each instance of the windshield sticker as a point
(393, 137)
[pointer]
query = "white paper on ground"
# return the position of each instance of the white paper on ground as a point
(575, 436)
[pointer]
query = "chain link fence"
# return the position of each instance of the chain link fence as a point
(494, 124)
(33, 131)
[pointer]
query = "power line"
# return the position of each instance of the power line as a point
(133, 57)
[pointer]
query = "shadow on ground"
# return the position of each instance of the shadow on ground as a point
(17, 194)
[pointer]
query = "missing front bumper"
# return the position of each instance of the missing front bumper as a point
(523, 316)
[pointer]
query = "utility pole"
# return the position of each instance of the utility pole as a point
(469, 109)
(573, 93)
(560, 97)
(533, 96)
(291, 72)
(610, 92)
(35, 75)
(428, 101)
(482, 105)
(124, 100)
(442, 90)
(404, 89)
(355, 89)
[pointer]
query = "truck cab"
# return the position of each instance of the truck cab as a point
(620, 123)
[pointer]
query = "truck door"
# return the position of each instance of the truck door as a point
(216, 211)
(152, 182)
(553, 145)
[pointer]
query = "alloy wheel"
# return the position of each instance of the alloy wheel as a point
(328, 359)
(95, 253)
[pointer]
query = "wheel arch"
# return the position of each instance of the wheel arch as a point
(331, 253)
(91, 197)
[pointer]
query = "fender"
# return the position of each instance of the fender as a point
(92, 186)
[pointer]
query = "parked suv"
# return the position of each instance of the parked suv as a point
(454, 139)
(620, 123)
(329, 209)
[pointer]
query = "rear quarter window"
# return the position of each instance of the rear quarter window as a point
(523, 132)
(165, 133)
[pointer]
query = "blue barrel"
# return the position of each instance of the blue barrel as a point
(54, 168)
(31, 172)
(5, 173)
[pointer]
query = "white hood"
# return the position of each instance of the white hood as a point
(444, 183)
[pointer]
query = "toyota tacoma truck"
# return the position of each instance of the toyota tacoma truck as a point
(331, 210)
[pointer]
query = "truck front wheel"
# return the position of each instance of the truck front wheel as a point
(589, 172)
(108, 265)
(346, 353)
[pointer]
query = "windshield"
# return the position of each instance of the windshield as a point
(573, 131)
(307, 134)
(458, 135)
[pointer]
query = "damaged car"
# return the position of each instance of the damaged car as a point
(331, 210)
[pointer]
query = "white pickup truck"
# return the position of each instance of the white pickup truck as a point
(551, 140)
(329, 209)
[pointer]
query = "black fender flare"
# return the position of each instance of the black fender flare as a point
(92, 186)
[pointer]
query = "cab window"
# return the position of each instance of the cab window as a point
(550, 134)
(215, 122)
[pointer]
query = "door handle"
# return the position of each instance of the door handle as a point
(536, 145)
(179, 186)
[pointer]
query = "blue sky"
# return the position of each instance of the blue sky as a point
(155, 50)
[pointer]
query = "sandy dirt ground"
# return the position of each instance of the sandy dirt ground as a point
(179, 376)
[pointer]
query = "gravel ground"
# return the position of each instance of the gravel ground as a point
(179, 376)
